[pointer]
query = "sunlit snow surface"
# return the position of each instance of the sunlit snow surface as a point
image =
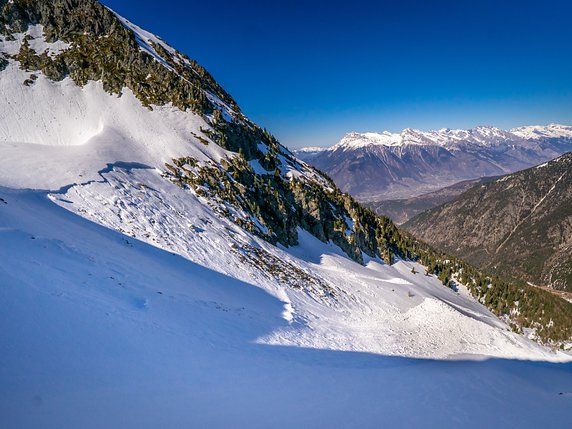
(125, 300)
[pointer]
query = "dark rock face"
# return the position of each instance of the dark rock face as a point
(519, 226)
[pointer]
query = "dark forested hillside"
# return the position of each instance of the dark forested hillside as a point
(519, 226)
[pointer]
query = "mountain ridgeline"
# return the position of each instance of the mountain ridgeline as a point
(259, 184)
(519, 226)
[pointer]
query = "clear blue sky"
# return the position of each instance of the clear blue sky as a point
(310, 71)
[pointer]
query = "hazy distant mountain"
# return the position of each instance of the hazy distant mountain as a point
(519, 225)
(383, 166)
(400, 211)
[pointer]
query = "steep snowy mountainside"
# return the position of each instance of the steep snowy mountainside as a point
(390, 166)
(67, 133)
(52, 124)
(316, 280)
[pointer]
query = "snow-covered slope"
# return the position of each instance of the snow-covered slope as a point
(103, 330)
(130, 301)
(344, 306)
(386, 166)
(64, 134)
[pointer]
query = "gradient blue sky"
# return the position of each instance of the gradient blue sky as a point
(312, 71)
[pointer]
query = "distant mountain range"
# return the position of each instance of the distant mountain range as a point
(519, 226)
(389, 166)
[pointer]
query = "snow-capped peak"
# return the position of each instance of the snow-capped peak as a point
(481, 136)
(535, 132)
(355, 140)
(312, 149)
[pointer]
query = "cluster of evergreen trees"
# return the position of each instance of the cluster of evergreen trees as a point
(3, 62)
